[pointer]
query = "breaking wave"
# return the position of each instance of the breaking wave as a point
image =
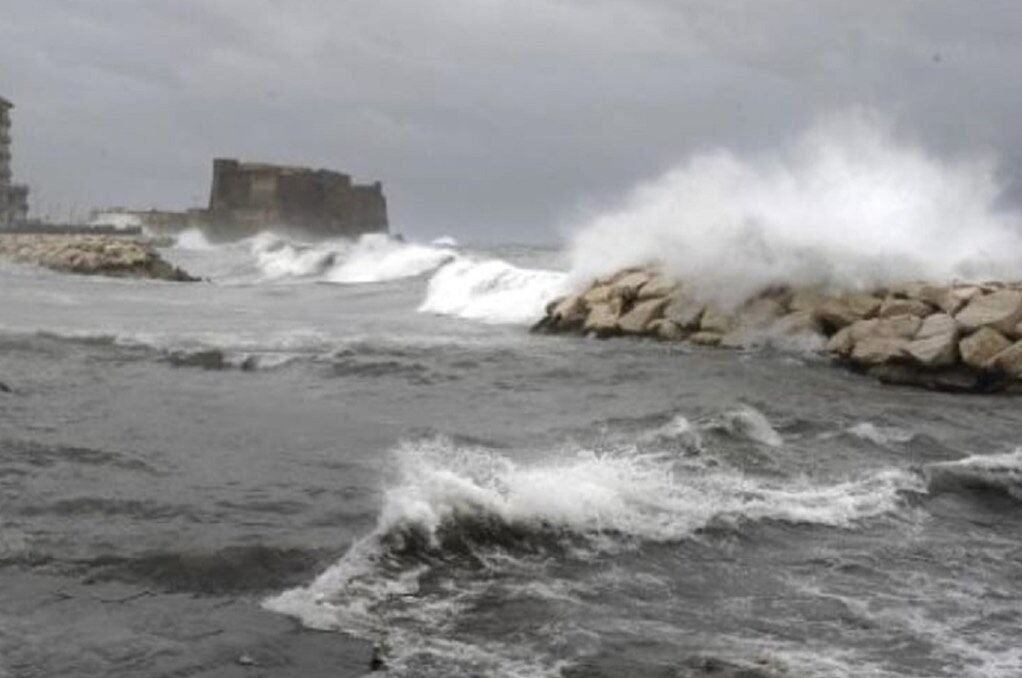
(847, 205)
(471, 510)
(996, 472)
(492, 291)
(371, 258)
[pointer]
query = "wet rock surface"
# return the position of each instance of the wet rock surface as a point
(107, 255)
(954, 337)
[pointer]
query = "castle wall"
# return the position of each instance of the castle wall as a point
(252, 196)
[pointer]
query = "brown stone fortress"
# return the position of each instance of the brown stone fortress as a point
(249, 197)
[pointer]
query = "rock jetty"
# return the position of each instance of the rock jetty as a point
(91, 255)
(957, 337)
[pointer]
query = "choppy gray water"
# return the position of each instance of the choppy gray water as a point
(266, 474)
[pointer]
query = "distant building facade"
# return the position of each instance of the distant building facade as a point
(13, 197)
(253, 196)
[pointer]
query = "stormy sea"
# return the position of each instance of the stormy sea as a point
(344, 455)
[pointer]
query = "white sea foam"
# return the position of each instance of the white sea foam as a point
(991, 471)
(492, 291)
(371, 258)
(193, 239)
(375, 258)
(749, 423)
(847, 205)
(631, 495)
(880, 435)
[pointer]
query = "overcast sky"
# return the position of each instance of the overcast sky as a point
(490, 120)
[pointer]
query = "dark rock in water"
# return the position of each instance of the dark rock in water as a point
(379, 658)
(212, 359)
(4, 388)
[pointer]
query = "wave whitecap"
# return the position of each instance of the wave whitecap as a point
(492, 291)
(453, 499)
(997, 472)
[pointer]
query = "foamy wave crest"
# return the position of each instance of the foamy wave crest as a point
(458, 499)
(492, 291)
(376, 258)
(847, 206)
(193, 239)
(371, 258)
(998, 472)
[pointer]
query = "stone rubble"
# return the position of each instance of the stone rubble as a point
(106, 255)
(957, 337)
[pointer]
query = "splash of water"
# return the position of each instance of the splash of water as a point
(846, 206)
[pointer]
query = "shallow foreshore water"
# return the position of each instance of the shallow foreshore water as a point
(473, 499)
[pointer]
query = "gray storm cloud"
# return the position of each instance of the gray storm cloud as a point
(486, 119)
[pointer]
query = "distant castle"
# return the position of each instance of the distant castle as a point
(246, 198)
(252, 196)
(13, 197)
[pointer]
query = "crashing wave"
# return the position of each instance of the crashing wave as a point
(272, 257)
(377, 258)
(997, 472)
(452, 500)
(492, 291)
(193, 239)
(751, 424)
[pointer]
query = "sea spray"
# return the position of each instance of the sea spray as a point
(847, 206)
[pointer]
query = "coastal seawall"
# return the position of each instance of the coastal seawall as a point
(956, 337)
(107, 255)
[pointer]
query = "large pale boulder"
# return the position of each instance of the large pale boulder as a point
(641, 315)
(1009, 361)
(759, 313)
(716, 320)
(657, 286)
(1000, 310)
(752, 321)
(601, 320)
(685, 310)
(901, 326)
(706, 338)
(943, 297)
(841, 342)
(939, 350)
(980, 347)
(597, 294)
(666, 330)
(894, 306)
(627, 286)
(806, 299)
(796, 323)
(569, 313)
(877, 350)
(841, 311)
(937, 324)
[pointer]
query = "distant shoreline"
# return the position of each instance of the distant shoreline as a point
(123, 255)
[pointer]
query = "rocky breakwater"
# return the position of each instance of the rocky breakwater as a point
(107, 255)
(959, 337)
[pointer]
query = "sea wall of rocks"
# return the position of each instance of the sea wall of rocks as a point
(959, 336)
(107, 255)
